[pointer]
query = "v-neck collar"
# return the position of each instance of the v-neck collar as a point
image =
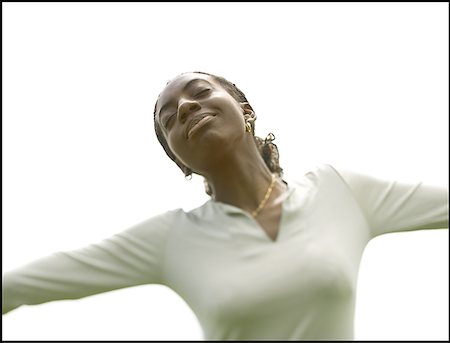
(228, 209)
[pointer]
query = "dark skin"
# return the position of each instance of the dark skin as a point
(220, 148)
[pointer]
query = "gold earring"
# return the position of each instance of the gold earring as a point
(248, 127)
(187, 174)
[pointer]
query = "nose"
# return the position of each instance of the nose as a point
(185, 108)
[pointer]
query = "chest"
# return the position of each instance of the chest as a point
(274, 282)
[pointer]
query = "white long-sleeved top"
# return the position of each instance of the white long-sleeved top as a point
(240, 283)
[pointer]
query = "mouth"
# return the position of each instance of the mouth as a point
(197, 122)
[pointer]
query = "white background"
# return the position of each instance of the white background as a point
(362, 86)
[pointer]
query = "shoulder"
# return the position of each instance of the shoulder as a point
(349, 177)
(324, 177)
(323, 172)
(157, 226)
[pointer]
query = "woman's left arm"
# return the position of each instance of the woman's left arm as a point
(392, 206)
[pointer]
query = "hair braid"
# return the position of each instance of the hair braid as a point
(269, 153)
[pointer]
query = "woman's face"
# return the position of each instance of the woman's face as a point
(200, 120)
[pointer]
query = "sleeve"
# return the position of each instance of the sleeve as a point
(392, 206)
(132, 257)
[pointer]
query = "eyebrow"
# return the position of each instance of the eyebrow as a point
(187, 85)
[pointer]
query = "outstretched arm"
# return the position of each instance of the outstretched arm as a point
(132, 257)
(392, 206)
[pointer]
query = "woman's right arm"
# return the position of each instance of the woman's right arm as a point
(130, 258)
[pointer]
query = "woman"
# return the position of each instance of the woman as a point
(263, 258)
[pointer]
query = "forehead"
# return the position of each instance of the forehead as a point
(175, 87)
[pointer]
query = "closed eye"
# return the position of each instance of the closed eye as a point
(202, 91)
(169, 119)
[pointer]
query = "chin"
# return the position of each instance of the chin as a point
(211, 147)
(208, 139)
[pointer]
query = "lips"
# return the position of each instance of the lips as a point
(194, 121)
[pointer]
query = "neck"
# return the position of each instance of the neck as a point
(241, 180)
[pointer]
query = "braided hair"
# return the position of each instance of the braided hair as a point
(266, 147)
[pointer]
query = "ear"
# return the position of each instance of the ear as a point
(247, 111)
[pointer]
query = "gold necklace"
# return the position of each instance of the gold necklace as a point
(263, 202)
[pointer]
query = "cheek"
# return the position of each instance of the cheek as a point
(172, 144)
(234, 115)
(229, 105)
